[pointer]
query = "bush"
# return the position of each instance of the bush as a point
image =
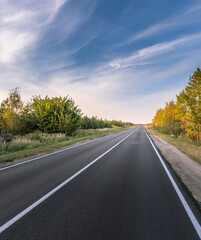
(56, 115)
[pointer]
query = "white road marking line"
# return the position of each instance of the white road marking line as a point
(180, 195)
(53, 153)
(31, 207)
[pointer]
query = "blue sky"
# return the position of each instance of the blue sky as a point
(117, 59)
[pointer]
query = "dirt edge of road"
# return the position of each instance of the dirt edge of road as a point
(188, 170)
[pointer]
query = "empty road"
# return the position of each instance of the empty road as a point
(115, 187)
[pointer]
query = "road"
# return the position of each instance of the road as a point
(112, 188)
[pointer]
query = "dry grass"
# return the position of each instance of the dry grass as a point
(42, 143)
(191, 149)
(31, 141)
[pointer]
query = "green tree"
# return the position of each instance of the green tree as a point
(25, 122)
(117, 123)
(95, 122)
(53, 115)
(9, 110)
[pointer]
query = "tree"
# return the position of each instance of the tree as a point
(189, 102)
(118, 123)
(9, 110)
(157, 120)
(85, 122)
(184, 117)
(54, 115)
(169, 121)
(25, 122)
(108, 124)
(95, 122)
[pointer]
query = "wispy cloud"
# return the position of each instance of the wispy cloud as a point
(75, 15)
(120, 93)
(22, 24)
(12, 42)
(41, 51)
(141, 56)
(126, 89)
(182, 18)
(26, 28)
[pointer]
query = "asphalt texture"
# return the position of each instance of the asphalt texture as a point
(126, 194)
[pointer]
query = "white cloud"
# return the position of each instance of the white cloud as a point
(101, 99)
(142, 55)
(110, 91)
(21, 26)
(119, 88)
(103, 94)
(18, 17)
(12, 43)
(182, 18)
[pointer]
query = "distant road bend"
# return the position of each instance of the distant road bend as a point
(116, 187)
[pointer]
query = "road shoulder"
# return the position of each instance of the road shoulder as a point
(188, 170)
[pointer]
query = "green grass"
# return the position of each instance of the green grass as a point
(186, 146)
(38, 143)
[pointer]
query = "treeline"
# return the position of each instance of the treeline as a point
(183, 117)
(94, 123)
(48, 115)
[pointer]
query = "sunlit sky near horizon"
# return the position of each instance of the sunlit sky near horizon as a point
(117, 59)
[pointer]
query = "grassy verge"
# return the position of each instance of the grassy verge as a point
(27, 149)
(191, 149)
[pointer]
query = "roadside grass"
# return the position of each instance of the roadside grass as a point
(40, 143)
(193, 150)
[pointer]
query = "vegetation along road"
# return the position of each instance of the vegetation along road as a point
(116, 187)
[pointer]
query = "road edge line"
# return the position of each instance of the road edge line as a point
(180, 195)
(42, 199)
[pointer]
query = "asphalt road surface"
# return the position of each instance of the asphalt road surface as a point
(115, 187)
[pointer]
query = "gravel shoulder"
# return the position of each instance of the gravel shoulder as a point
(188, 170)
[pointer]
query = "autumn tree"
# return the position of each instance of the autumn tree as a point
(157, 120)
(184, 117)
(171, 124)
(189, 103)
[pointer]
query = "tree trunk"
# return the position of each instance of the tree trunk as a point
(12, 126)
(199, 132)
